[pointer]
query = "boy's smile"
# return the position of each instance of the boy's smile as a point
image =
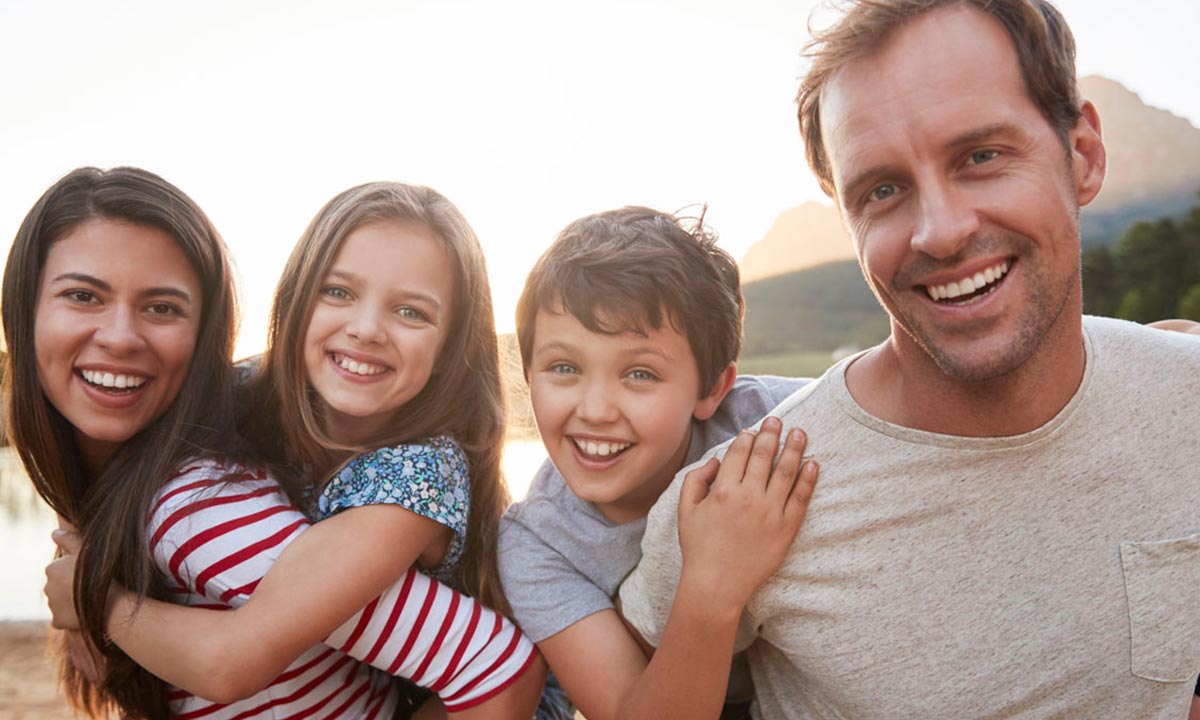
(614, 411)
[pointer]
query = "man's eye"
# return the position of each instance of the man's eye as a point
(979, 157)
(883, 192)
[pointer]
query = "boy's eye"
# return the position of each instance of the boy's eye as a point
(642, 375)
(336, 292)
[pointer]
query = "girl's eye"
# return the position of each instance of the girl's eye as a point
(411, 313)
(979, 157)
(642, 375)
(336, 292)
(564, 369)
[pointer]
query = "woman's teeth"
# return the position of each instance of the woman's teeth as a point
(977, 284)
(119, 381)
(600, 449)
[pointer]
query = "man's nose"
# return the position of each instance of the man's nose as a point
(945, 220)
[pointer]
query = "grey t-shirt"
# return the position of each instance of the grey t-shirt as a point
(561, 560)
(1054, 573)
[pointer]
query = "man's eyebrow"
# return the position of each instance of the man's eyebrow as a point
(980, 134)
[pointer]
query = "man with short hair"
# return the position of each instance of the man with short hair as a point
(1007, 523)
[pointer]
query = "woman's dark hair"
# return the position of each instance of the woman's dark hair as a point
(111, 506)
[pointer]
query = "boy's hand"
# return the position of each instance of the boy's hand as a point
(737, 519)
(60, 581)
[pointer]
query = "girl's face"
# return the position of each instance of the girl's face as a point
(118, 311)
(379, 321)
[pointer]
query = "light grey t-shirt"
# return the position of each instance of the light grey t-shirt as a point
(1053, 574)
(561, 560)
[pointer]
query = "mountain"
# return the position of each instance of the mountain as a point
(1153, 172)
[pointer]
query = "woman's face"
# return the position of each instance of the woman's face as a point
(380, 319)
(118, 310)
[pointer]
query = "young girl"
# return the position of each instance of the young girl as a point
(382, 344)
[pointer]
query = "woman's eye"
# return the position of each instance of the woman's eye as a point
(164, 310)
(336, 292)
(85, 297)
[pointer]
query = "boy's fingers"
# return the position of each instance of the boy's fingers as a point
(783, 479)
(797, 504)
(68, 541)
(762, 455)
(733, 465)
(696, 482)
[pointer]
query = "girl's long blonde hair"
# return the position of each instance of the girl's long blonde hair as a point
(463, 398)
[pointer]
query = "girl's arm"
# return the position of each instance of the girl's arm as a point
(226, 656)
(733, 535)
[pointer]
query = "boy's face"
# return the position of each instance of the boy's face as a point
(614, 411)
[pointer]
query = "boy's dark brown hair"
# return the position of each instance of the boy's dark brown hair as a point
(632, 270)
(1039, 33)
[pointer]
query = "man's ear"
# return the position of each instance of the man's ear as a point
(710, 402)
(1088, 158)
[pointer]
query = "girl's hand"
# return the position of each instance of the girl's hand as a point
(737, 519)
(60, 581)
(90, 666)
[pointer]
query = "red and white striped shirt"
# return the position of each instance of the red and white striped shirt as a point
(215, 540)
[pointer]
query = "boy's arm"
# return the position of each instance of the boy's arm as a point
(734, 535)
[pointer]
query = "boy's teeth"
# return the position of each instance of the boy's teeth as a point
(109, 380)
(968, 285)
(358, 368)
(600, 449)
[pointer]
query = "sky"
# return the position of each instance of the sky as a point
(526, 114)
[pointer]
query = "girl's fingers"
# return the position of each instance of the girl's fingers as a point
(783, 479)
(762, 455)
(68, 541)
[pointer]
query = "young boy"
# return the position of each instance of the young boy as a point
(629, 327)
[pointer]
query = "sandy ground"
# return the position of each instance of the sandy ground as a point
(27, 674)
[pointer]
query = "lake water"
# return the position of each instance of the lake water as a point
(26, 522)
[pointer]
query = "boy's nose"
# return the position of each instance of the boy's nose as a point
(596, 404)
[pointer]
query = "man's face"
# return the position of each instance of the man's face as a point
(962, 201)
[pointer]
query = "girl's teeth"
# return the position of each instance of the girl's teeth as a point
(358, 368)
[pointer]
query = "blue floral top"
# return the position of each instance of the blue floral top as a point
(429, 478)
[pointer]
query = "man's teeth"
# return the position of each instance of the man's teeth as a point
(600, 449)
(109, 380)
(970, 284)
(358, 368)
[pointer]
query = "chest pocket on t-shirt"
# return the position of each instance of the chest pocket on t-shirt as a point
(1162, 584)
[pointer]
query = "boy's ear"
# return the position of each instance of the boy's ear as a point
(710, 402)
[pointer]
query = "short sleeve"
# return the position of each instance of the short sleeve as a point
(214, 532)
(430, 479)
(547, 594)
